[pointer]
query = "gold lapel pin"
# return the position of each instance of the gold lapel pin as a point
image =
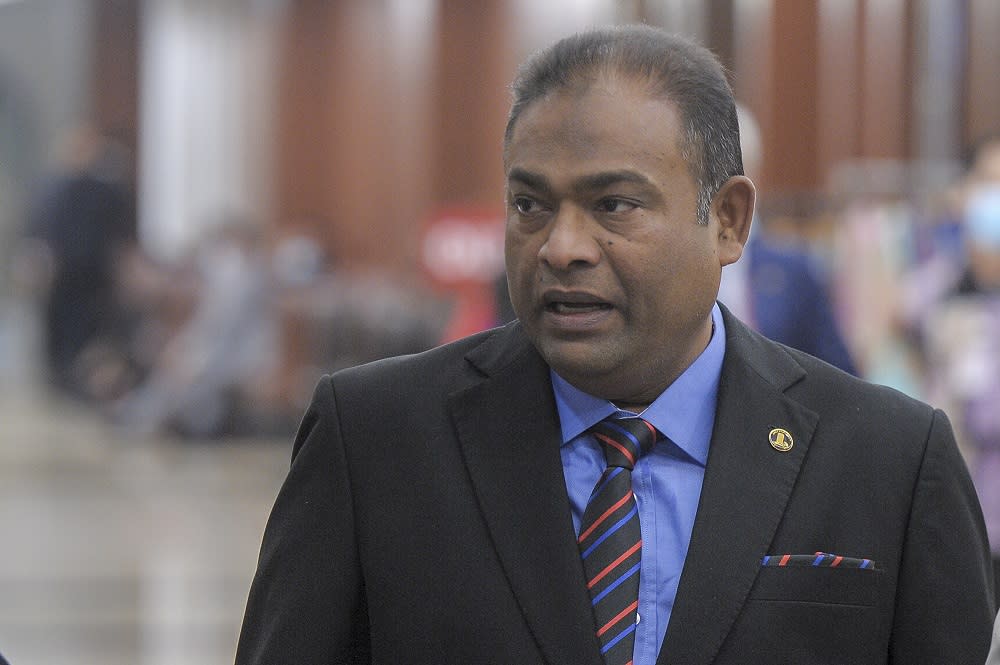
(780, 440)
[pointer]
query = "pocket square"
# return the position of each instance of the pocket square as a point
(817, 560)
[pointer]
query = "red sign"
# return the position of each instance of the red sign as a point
(463, 247)
(462, 253)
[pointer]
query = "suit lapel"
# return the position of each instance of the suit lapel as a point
(509, 435)
(746, 489)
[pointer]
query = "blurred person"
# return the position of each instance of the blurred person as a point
(776, 286)
(210, 366)
(84, 218)
(961, 333)
(946, 253)
(627, 473)
(339, 317)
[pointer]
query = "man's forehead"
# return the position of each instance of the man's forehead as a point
(582, 181)
(590, 158)
(625, 118)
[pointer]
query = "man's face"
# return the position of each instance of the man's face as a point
(610, 273)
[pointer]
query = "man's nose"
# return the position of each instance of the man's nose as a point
(571, 241)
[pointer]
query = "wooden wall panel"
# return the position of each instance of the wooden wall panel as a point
(115, 91)
(885, 120)
(753, 77)
(368, 150)
(841, 67)
(303, 161)
(796, 99)
(359, 197)
(474, 69)
(982, 96)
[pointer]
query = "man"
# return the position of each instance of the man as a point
(84, 219)
(436, 510)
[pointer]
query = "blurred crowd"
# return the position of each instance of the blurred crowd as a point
(230, 339)
(227, 340)
(950, 304)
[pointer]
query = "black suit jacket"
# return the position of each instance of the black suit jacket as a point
(425, 520)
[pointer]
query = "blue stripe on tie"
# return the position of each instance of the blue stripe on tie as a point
(618, 638)
(604, 536)
(617, 583)
(819, 559)
(765, 560)
(865, 563)
(631, 437)
(612, 472)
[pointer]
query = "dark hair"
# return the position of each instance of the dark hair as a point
(677, 68)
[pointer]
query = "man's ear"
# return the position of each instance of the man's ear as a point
(732, 207)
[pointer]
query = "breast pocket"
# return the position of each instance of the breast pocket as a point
(831, 586)
(805, 616)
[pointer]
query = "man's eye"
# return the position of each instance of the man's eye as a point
(613, 205)
(524, 205)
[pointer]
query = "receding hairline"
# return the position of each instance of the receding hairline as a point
(582, 80)
(585, 80)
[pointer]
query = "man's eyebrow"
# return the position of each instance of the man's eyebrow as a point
(532, 180)
(609, 178)
(585, 183)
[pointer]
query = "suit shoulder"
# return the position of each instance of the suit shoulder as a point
(441, 363)
(828, 388)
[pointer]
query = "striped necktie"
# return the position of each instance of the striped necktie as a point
(610, 540)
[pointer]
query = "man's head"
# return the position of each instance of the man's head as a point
(619, 215)
(675, 69)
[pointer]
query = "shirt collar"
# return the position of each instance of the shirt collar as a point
(684, 412)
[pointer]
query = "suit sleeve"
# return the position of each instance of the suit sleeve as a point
(944, 601)
(306, 603)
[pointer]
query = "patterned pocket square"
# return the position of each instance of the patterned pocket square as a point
(817, 560)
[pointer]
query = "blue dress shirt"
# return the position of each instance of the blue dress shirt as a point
(666, 482)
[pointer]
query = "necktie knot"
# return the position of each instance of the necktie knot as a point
(624, 440)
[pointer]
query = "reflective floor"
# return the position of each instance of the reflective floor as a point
(121, 551)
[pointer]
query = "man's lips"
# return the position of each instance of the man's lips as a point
(559, 307)
(568, 303)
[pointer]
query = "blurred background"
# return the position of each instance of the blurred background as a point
(207, 204)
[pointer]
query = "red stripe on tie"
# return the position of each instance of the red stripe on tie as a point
(836, 561)
(621, 615)
(632, 550)
(621, 502)
(622, 449)
(784, 559)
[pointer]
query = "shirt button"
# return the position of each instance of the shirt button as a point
(637, 618)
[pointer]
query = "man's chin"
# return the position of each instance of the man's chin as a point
(579, 361)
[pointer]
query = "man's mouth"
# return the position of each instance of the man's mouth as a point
(562, 307)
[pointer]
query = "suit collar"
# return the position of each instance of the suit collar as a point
(744, 496)
(684, 412)
(509, 435)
